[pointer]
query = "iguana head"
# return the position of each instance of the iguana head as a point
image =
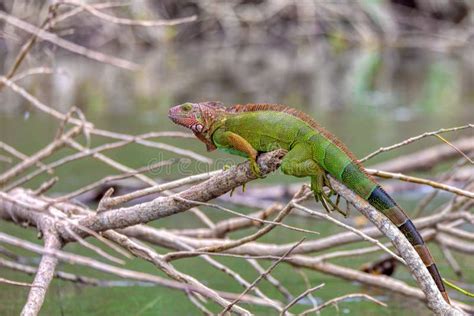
(201, 118)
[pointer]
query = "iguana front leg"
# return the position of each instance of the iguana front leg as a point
(226, 139)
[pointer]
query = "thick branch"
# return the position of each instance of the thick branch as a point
(167, 206)
(169, 240)
(121, 272)
(45, 272)
(406, 250)
(149, 255)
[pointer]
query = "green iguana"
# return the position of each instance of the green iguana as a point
(247, 130)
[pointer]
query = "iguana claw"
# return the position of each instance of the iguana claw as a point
(233, 189)
(227, 167)
(321, 196)
(255, 169)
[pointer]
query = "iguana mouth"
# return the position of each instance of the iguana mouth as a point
(175, 118)
(179, 118)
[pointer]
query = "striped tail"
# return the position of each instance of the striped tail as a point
(340, 163)
(385, 204)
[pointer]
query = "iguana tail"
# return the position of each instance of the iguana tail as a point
(385, 204)
(341, 164)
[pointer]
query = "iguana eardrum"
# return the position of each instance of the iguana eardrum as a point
(247, 130)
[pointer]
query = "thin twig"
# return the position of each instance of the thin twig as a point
(122, 199)
(415, 138)
(451, 260)
(115, 20)
(41, 154)
(151, 256)
(96, 249)
(11, 150)
(261, 276)
(299, 297)
(105, 180)
(10, 282)
(90, 128)
(342, 298)
(66, 276)
(235, 243)
(271, 279)
(455, 148)
(305, 278)
(70, 46)
(352, 229)
(431, 183)
(32, 71)
(25, 49)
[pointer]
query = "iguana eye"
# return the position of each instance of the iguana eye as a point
(186, 107)
(197, 128)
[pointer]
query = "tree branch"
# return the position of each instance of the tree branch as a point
(45, 272)
(167, 206)
(405, 249)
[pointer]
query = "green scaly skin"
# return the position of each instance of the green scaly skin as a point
(247, 130)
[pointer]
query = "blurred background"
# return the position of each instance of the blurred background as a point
(374, 72)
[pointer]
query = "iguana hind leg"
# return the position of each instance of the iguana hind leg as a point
(317, 185)
(299, 163)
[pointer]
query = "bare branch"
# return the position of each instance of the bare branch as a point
(114, 201)
(341, 298)
(43, 153)
(166, 206)
(352, 229)
(406, 250)
(261, 276)
(124, 273)
(21, 155)
(433, 184)
(70, 46)
(426, 159)
(222, 228)
(10, 282)
(45, 273)
(415, 138)
(151, 256)
(66, 276)
(90, 128)
(301, 296)
(115, 20)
